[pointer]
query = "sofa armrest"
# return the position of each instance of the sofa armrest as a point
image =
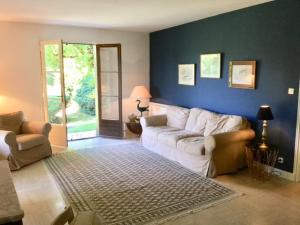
(157, 120)
(212, 142)
(227, 151)
(8, 142)
(36, 127)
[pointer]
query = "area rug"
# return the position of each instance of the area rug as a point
(129, 185)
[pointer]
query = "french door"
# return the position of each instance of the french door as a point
(109, 86)
(110, 89)
(54, 91)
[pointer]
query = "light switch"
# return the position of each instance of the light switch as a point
(291, 91)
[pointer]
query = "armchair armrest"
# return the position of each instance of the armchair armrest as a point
(7, 143)
(212, 142)
(36, 127)
(157, 120)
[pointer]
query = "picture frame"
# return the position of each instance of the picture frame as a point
(210, 65)
(186, 74)
(242, 74)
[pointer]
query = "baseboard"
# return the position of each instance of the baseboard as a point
(57, 148)
(284, 174)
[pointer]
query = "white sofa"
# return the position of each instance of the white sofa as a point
(203, 141)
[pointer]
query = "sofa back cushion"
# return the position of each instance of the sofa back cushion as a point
(223, 123)
(177, 116)
(197, 120)
(11, 122)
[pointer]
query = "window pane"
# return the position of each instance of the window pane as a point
(109, 59)
(54, 110)
(110, 108)
(52, 57)
(53, 83)
(109, 84)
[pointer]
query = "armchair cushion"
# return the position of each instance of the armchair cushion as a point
(35, 127)
(27, 141)
(11, 122)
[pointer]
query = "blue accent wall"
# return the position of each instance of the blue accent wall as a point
(268, 33)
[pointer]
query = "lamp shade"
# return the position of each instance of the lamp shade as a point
(264, 113)
(140, 92)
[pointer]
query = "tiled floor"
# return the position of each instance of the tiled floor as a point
(275, 202)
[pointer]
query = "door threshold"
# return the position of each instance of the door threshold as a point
(84, 138)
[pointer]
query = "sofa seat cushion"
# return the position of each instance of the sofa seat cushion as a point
(171, 138)
(177, 116)
(27, 141)
(192, 146)
(223, 123)
(11, 122)
(153, 132)
(197, 120)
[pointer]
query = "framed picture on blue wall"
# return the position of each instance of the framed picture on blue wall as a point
(186, 74)
(242, 74)
(210, 65)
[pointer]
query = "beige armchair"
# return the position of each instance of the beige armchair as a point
(23, 142)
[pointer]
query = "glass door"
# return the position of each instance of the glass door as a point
(110, 89)
(80, 90)
(53, 91)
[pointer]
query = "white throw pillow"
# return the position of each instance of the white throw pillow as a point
(177, 116)
(197, 120)
(223, 123)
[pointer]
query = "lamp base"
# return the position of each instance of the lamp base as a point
(263, 146)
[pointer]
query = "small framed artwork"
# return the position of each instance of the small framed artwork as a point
(242, 74)
(210, 65)
(186, 74)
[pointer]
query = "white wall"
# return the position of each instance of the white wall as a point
(20, 67)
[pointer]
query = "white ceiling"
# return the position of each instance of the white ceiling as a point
(132, 15)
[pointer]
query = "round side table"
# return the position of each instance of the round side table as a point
(261, 162)
(135, 128)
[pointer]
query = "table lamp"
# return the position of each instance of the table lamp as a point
(139, 93)
(264, 113)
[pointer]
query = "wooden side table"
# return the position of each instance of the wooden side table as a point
(135, 127)
(261, 162)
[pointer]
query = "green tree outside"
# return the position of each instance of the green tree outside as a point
(79, 83)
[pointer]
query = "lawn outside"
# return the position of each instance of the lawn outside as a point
(81, 125)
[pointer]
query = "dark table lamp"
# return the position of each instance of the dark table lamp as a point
(264, 113)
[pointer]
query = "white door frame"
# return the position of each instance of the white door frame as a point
(297, 143)
(58, 134)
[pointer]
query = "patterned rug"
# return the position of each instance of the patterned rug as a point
(129, 185)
